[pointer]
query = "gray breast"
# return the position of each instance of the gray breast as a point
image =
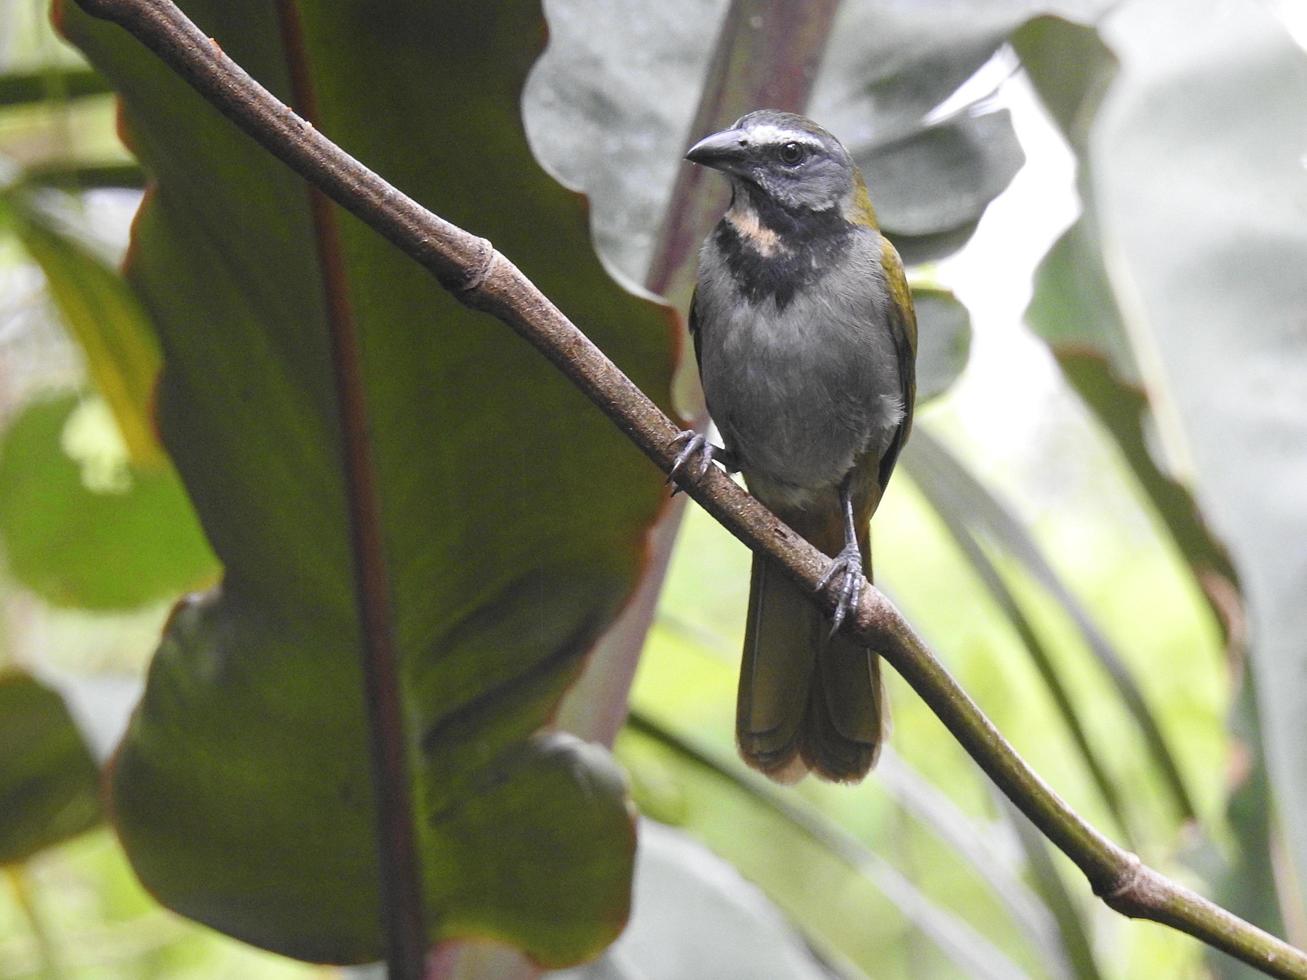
(800, 392)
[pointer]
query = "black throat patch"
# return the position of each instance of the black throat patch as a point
(793, 249)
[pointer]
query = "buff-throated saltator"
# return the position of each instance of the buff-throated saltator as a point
(806, 338)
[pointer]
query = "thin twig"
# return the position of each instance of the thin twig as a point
(483, 279)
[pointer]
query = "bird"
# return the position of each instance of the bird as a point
(805, 335)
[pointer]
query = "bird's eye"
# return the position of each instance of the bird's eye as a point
(792, 154)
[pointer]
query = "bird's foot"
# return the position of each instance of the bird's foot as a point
(846, 569)
(693, 443)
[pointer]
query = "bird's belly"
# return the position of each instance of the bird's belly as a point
(798, 401)
(783, 425)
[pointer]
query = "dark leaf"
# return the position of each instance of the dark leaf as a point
(49, 784)
(242, 791)
(33, 87)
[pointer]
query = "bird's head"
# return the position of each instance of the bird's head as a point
(787, 160)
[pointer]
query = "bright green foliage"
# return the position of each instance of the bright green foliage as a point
(96, 532)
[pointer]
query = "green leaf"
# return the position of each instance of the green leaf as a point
(1190, 261)
(888, 70)
(943, 340)
(1198, 165)
(100, 311)
(1076, 310)
(615, 125)
(83, 526)
(513, 515)
(49, 784)
(931, 187)
(1074, 927)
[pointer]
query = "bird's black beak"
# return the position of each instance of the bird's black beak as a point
(724, 151)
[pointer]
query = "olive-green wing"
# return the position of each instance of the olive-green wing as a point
(694, 328)
(903, 328)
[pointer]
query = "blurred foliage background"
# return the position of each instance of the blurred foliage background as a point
(1098, 525)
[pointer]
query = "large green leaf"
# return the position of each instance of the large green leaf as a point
(512, 514)
(1199, 167)
(1190, 277)
(610, 105)
(82, 525)
(49, 784)
(1075, 309)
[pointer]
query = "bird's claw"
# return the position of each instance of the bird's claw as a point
(847, 563)
(694, 442)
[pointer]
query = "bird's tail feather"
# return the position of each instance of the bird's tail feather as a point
(807, 702)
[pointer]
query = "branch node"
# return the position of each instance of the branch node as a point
(479, 272)
(1135, 890)
(1123, 883)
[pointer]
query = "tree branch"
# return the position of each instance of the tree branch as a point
(470, 268)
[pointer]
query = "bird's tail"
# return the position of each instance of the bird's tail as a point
(807, 702)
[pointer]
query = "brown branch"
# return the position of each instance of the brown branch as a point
(482, 278)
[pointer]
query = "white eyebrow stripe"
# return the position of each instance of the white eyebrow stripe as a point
(768, 134)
